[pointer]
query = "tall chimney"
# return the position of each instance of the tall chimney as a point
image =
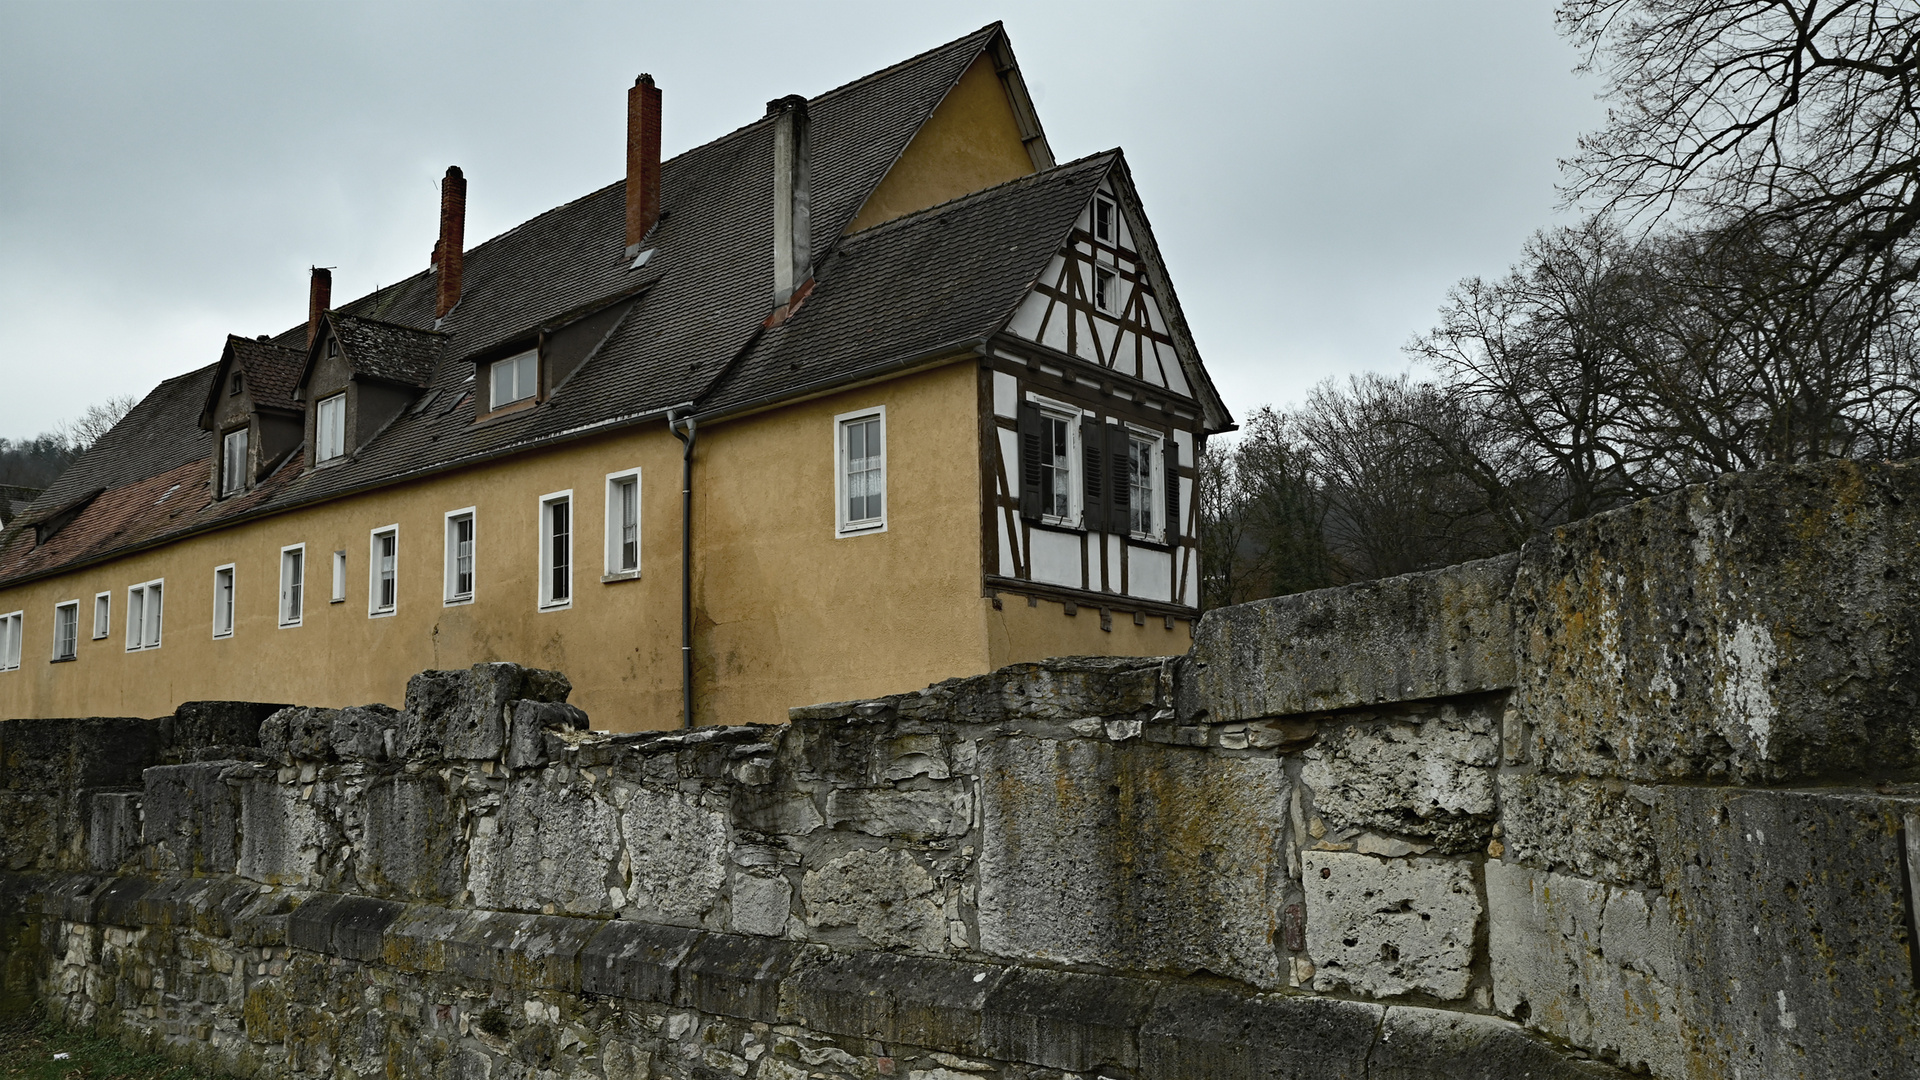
(792, 261)
(452, 249)
(643, 161)
(319, 298)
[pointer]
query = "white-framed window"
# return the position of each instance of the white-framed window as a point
(338, 594)
(383, 571)
(623, 524)
(233, 462)
(860, 472)
(293, 584)
(66, 630)
(1059, 463)
(145, 605)
(10, 631)
(1144, 469)
(513, 379)
(102, 614)
(330, 428)
(1106, 220)
(556, 550)
(223, 601)
(1106, 288)
(461, 534)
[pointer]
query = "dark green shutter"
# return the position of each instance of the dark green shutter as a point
(1119, 451)
(1173, 489)
(1032, 438)
(1099, 485)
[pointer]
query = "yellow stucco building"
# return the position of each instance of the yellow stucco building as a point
(867, 393)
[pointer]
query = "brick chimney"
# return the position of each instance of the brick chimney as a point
(452, 247)
(319, 298)
(792, 259)
(643, 161)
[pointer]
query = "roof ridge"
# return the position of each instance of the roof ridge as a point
(387, 322)
(990, 28)
(974, 196)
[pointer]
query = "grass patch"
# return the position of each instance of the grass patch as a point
(28, 1045)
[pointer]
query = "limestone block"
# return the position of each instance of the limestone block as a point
(191, 818)
(531, 721)
(1136, 856)
(286, 836)
(677, 847)
(1199, 1033)
(932, 813)
(635, 960)
(1757, 628)
(1432, 779)
(297, 733)
(914, 1000)
(113, 829)
(1595, 828)
(1065, 1020)
(776, 813)
(364, 732)
(464, 714)
(409, 838)
(761, 904)
(550, 843)
(735, 975)
(1384, 927)
(1429, 1044)
(886, 895)
(1587, 962)
(199, 724)
(1437, 634)
(1795, 928)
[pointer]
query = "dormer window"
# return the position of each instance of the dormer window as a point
(233, 463)
(330, 428)
(514, 379)
(1104, 229)
(234, 385)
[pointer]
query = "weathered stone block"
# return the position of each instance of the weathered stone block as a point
(677, 847)
(776, 813)
(1136, 856)
(1795, 947)
(286, 836)
(1195, 1033)
(191, 818)
(761, 904)
(1758, 628)
(1066, 1020)
(464, 714)
(914, 1000)
(735, 975)
(297, 733)
(1594, 828)
(551, 842)
(199, 724)
(933, 813)
(635, 960)
(1434, 1044)
(1437, 634)
(113, 829)
(531, 721)
(1429, 776)
(410, 844)
(887, 895)
(1587, 962)
(1385, 927)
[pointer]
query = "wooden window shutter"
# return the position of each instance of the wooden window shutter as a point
(1173, 489)
(1032, 440)
(1120, 510)
(1098, 483)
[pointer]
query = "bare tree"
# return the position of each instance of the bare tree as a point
(1263, 523)
(85, 430)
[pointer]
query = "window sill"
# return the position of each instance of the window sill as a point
(384, 613)
(620, 575)
(504, 411)
(289, 626)
(335, 600)
(456, 601)
(859, 530)
(223, 637)
(59, 660)
(556, 607)
(1056, 526)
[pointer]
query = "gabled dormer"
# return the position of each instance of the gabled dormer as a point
(1105, 298)
(361, 374)
(250, 409)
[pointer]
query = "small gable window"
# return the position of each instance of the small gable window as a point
(513, 379)
(233, 463)
(1104, 221)
(330, 428)
(234, 385)
(1106, 289)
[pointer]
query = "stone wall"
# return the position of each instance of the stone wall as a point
(1638, 799)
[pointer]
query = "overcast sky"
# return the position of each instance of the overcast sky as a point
(1318, 174)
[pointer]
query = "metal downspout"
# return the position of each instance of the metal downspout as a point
(686, 565)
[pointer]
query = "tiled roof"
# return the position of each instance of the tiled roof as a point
(389, 351)
(945, 275)
(271, 371)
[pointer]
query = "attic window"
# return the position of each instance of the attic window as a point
(1103, 221)
(333, 347)
(514, 378)
(1106, 289)
(233, 385)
